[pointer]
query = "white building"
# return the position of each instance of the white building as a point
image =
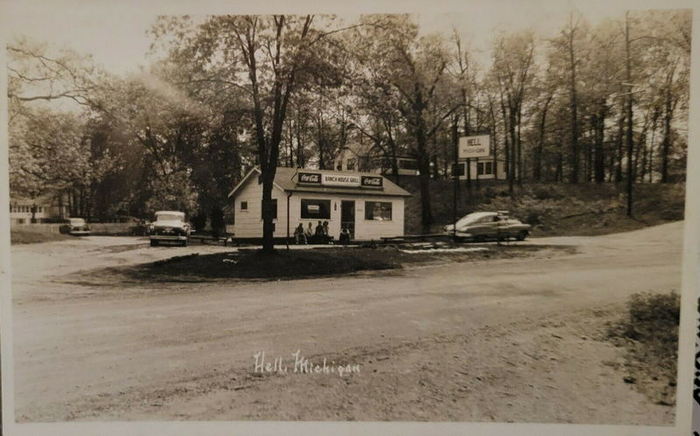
(42, 208)
(366, 157)
(485, 168)
(370, 206)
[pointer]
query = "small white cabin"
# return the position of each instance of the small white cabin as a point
(369, 205)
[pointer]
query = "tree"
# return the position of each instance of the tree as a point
(416, 68)
(512, 71)
(269, 58)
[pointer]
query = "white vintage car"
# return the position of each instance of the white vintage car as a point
(482, 226)
(77, 227)
(169, 226)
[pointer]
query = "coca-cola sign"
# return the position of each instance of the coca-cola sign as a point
(310, 178)
(372, 181)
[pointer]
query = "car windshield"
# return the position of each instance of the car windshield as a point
(77, 221)
(169, 217)
(472, 218)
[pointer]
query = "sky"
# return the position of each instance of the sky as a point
(115, 32)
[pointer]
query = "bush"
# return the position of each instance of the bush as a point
(654, 317)
(650, 337)
(199, 221)
(217, 221)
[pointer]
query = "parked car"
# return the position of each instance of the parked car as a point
(482, 226)
(77, 227)
(141, 228)
(169, 226)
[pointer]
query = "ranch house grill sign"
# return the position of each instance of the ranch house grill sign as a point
(348, 181)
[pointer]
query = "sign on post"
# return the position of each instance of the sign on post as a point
(474, 147)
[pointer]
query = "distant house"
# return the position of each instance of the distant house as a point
(369, 205)
(366, 157)
(485, 168)
(43, 208)
(369, 158)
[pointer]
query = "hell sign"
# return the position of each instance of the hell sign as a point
(474, 146)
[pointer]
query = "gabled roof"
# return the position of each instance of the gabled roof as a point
(285, 179)
(255, 171)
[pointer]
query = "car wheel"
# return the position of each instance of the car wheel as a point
(154, 243)
(184, 243)
(521, 235)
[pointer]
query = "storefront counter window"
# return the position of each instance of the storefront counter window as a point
(378, 210)
(315, 209)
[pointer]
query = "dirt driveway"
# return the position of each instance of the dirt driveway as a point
(503, 340)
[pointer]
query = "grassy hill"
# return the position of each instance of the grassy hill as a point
(554, 209)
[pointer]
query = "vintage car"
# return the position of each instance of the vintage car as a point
(482, 226)
(76, 227)
(169, 226)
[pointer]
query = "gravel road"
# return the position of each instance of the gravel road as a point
(517, 340)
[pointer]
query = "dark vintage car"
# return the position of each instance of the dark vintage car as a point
(483, 226)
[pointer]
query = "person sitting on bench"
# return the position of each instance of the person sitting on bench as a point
(344, 236)
(299, 235)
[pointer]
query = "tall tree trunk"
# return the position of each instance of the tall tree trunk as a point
(620, 143)
(666, 141)
(630, 120)
(599, 149)
(574, 112)
(539, 149)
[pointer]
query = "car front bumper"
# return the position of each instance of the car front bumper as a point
(79, 232)
(168, 237)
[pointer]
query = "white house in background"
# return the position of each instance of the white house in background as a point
(485, 168)
(369, 205)
(44, 207)
(365, 157)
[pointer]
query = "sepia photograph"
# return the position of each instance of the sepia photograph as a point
(468, 213)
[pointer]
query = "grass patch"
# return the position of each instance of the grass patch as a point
(290, 264)
(554, 209)
(650, 337)
(28, 237)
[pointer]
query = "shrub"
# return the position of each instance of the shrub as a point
(650, 337)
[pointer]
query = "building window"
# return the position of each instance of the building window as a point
(458, 170)
(244, 205)
(350, 165)
(484, 168)
(315, 209)
(274, 208)
(378, 210)
(408, 164)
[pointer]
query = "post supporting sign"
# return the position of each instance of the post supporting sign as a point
(468, 147)
(474, 147)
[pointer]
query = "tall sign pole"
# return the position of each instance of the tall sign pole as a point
(469, 147)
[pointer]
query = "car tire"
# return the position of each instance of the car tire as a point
(521, 235)
(184, 243)
(154, 243)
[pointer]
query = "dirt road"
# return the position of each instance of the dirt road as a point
(502, 340)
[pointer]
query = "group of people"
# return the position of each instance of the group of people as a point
(320, 235)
